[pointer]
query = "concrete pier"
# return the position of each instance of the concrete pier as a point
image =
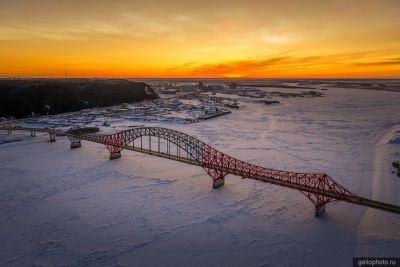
(9, 132)
(115, 155)
(75, 144)
(218, 183)
(52, 137)
(319, 210)
(33, 133)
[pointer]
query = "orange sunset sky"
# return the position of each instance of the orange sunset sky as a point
(103, 38)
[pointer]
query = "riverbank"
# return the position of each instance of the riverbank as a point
(385, 186)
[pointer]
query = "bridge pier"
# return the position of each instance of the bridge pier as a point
(75, 144)
(114, 144)
(52, 137)
(218, 183)
(9, 131)
(319, 210)
(218, 177)
(115, 155)
(33, 133)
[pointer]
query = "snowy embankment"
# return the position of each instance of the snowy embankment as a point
(395, 137)
(75, 207)
(385, 184)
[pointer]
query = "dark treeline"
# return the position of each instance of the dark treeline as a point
(20, 97)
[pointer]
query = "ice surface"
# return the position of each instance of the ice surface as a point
(77, 208)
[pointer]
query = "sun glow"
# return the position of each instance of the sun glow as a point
(232, 75)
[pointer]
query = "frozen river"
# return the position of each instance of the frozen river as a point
(77, 208)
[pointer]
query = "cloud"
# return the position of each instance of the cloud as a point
(186, 66)
(389, 62)
(250, 67)
(283, 64)
(216, 38)
(241, 67)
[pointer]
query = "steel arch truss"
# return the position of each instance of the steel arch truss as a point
(319, 188)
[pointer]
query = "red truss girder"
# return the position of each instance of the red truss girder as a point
(114, 142)
(318, 187)
(213, 162)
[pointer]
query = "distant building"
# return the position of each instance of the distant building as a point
(215, 88)
(200, 86)
(232, 85)
(169, 92)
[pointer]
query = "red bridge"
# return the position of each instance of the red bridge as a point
(166, 143)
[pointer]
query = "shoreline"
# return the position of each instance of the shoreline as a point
(384, 187)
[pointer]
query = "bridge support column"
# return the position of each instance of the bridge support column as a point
(218, 177)
(319, 210)
(75, 142)
(320, 182)
(52, 137)
(115, 155)
(9, 132)
(218, 183)
(114, 144)
(33, 133)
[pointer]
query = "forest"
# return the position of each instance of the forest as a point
(22, 98)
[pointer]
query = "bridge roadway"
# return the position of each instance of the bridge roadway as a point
(312, 192)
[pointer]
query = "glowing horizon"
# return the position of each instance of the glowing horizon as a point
(188, 39)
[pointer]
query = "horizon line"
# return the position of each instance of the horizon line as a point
(205, 78)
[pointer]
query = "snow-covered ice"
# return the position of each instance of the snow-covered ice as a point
(62, 207)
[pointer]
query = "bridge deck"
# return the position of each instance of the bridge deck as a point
(348, 197)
